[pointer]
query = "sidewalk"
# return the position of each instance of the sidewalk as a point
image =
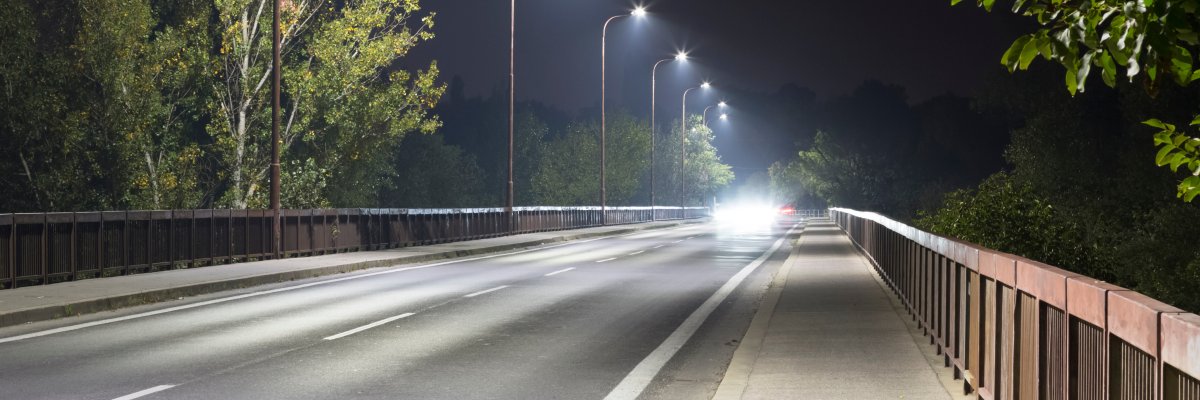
(827, 330)
(39, 303)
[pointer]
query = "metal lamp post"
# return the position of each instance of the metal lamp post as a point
(276, 234)
(637, 12)
(718, 105)
(512, 89)
(681, 57)
(683, 147)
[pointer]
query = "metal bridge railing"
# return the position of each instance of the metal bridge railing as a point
(1015, 328)
(53, 247)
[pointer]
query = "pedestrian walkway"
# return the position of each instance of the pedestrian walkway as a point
(828, 330)
(39, 303)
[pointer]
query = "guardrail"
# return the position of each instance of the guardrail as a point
(45, 248)
(1015, 328)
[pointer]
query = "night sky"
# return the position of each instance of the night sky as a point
(829, 47)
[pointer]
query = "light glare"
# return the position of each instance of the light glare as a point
(639, 11)
(724, 116)
(681, 57)
(721, 104)
(706, 85)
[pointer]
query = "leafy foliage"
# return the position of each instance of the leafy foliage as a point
(1157, 40)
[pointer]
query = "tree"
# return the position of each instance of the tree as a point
(1155, 40)
(569, 173)
(431, 174)
(345, 101)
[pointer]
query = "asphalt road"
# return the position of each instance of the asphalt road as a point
(649, 315)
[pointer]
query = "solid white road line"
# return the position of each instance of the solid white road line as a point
(659, 246)
(483, 292)
(606, 260)
(149, 391)
(632, 386)
(677, 241)
(280, 290)
(637, 252)
(560, 271)
(368, 326)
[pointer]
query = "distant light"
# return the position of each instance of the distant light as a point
(681, 57)
(722, 104)
(706, 85)
(724, 116)
(639, 11)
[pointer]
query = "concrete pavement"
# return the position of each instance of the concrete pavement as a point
(828, 330)
(39, 303)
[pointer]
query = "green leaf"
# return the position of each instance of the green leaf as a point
(1012, 56)
(1108, 69)
(1181, 65)
(987, 4)
(1072, 81)
(1178, 160)
(955, 2)
(1028, 53)
(1162, 158)
(1155, 122)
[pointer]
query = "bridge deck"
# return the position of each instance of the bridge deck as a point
(834, 333)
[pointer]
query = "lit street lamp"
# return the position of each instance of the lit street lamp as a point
(719, 105)
(683, 145)
(681, 57)
(637, 12)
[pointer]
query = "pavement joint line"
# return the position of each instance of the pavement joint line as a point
(560, 271)
(606, 260)
(632, 386)
(70, 328)
(369, 326)
(146, 392)
(483, 292)
(637, 252)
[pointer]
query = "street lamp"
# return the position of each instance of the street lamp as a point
(277, 37)
(719, 105)
(680, 57)
(637, 12)
(683, 145)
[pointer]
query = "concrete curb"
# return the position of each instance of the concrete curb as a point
(115, 302)
(737, 375)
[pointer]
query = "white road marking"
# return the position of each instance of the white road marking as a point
(677, 241)
(632, 386)
(369, 326)
(483, 292)
(560, 271)
(280, 290)
(606, 260)
(149, 391)
(659, 246)
(637, 252)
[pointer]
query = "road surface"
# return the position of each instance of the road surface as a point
(649, 315)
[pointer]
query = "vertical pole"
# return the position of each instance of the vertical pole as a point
(275, 81)
(653, 131)
(683, 154)
(512, 87)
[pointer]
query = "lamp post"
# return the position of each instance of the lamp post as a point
(683, 147)
(277, 37)
(681, 57)
(512, 89)
(637, 12)
(718, 105)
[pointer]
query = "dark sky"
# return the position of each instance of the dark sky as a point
(828, 46)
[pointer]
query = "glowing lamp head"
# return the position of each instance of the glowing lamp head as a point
(722, 104)
(724, 117)
(705, 85)
(638, 12)
(681, 57)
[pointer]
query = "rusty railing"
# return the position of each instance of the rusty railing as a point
(54, 247)
(1014, 328)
